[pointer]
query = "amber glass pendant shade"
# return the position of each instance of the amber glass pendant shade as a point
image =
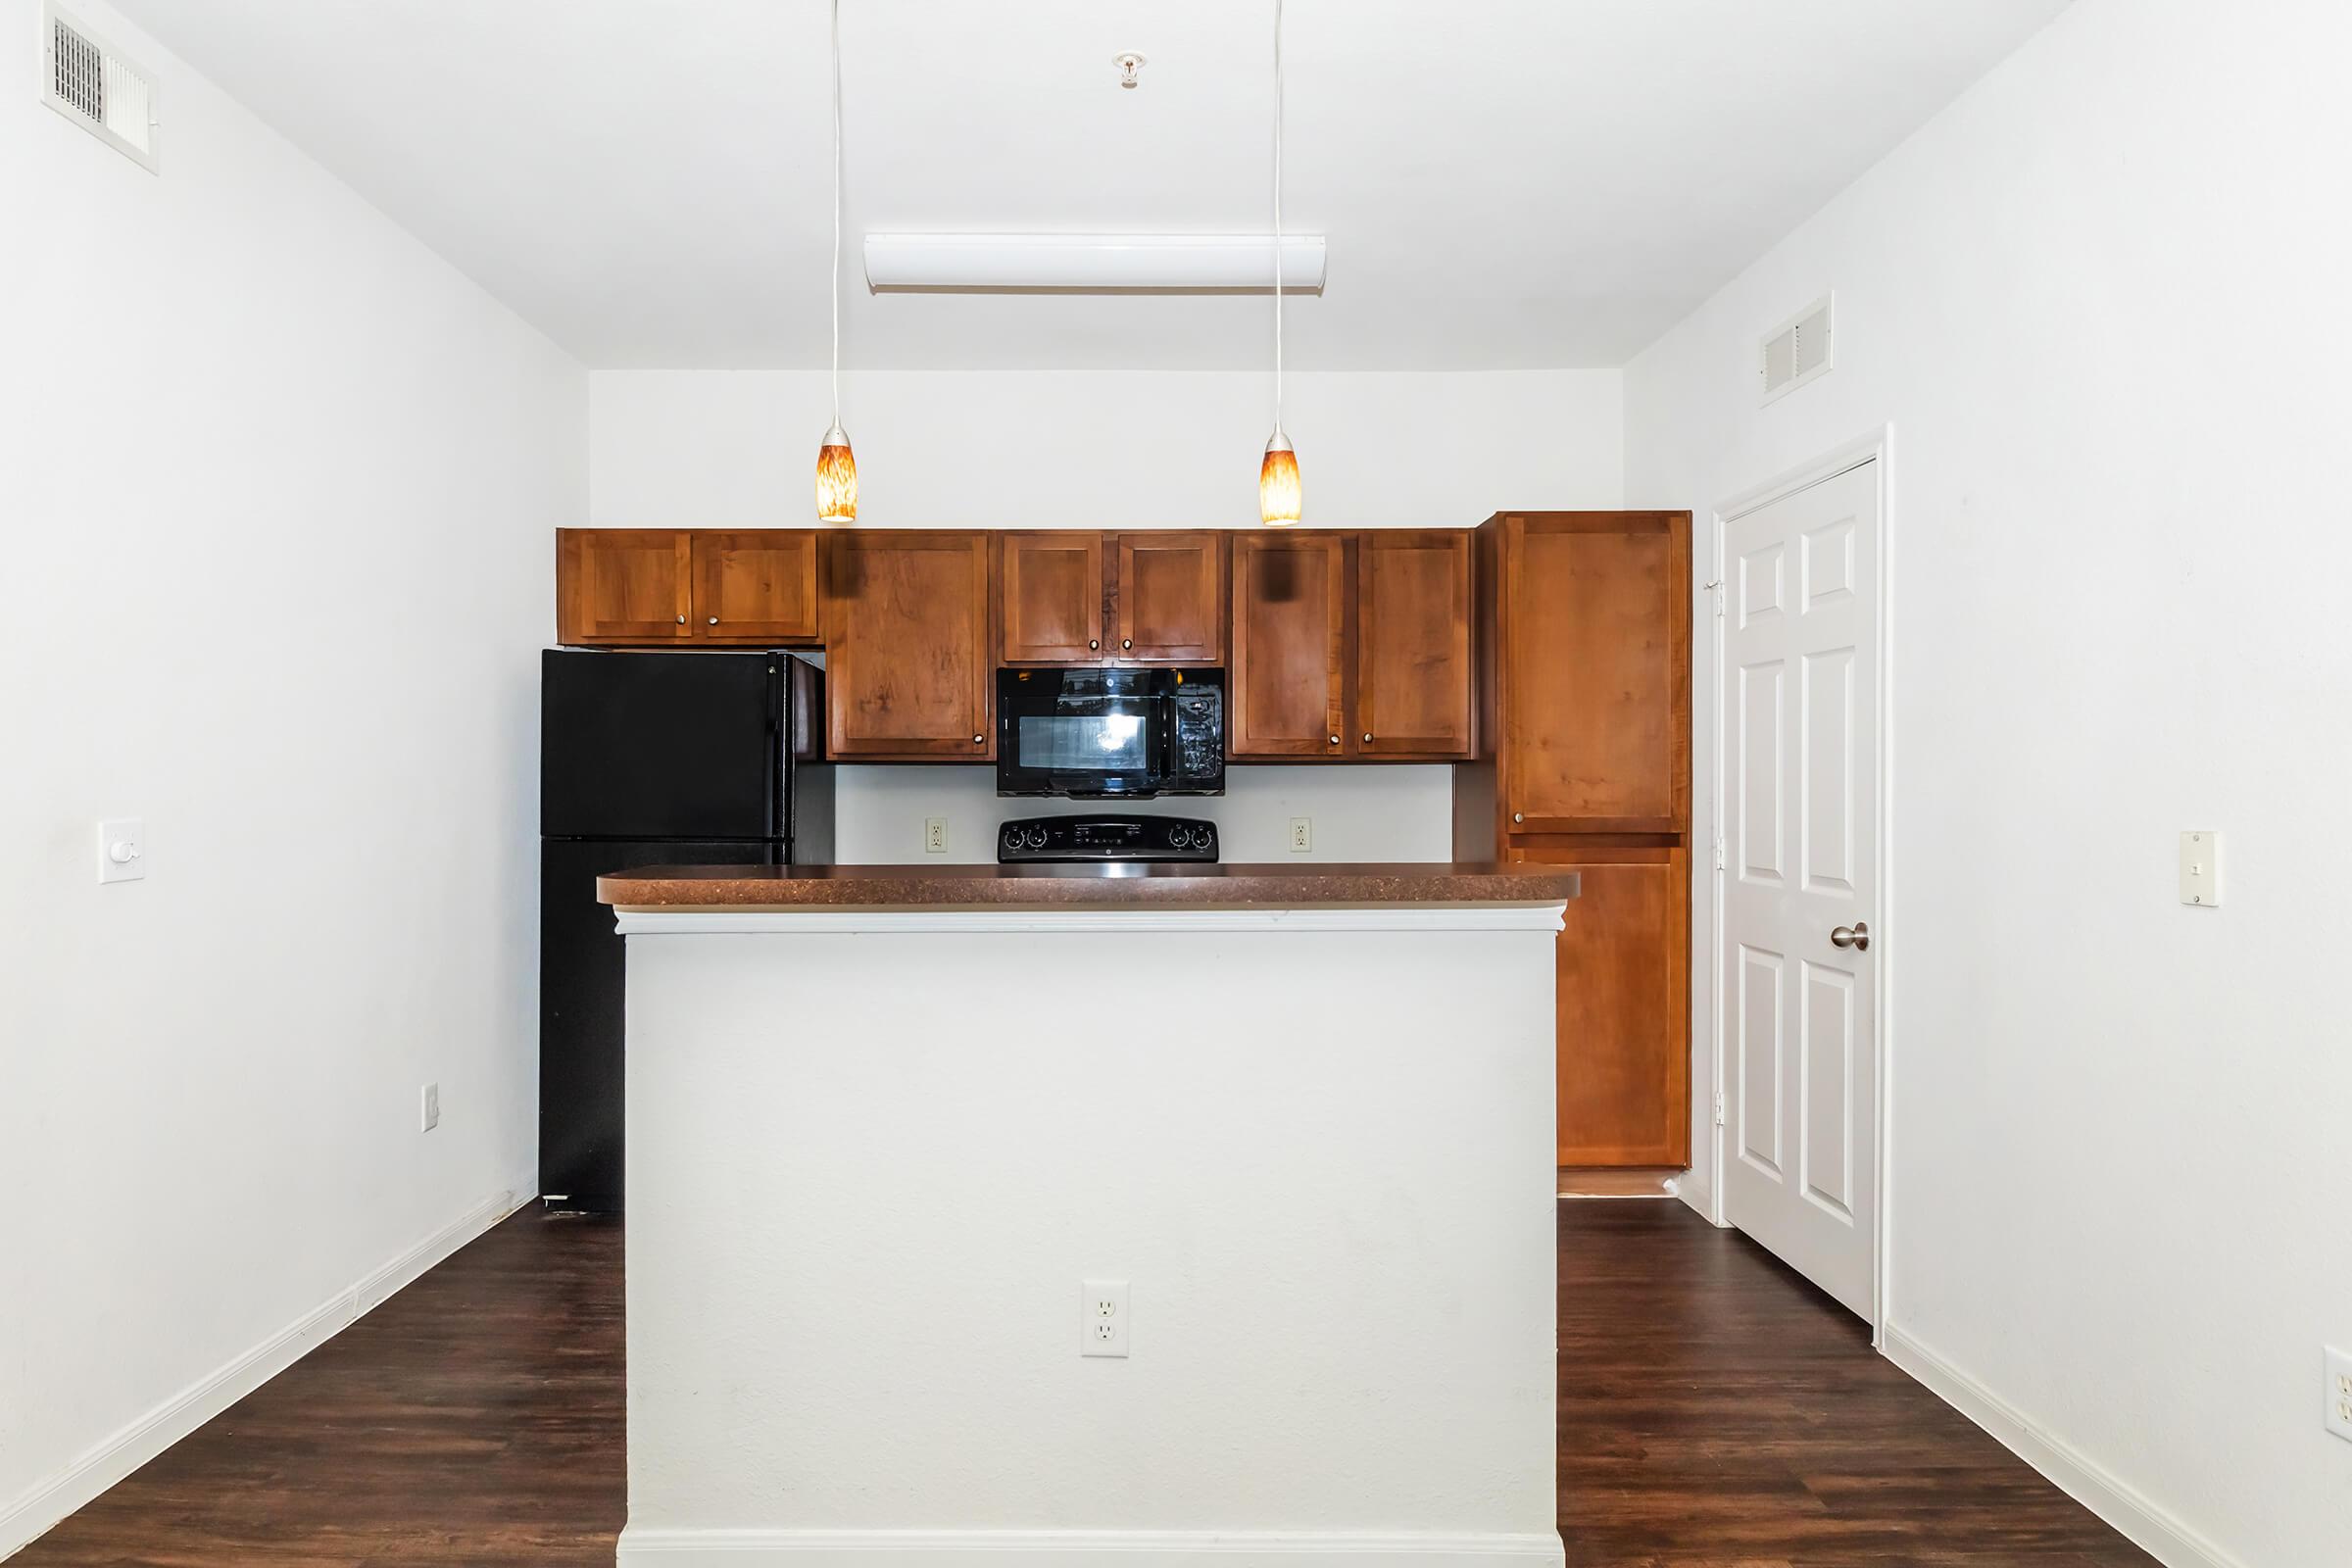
(836, 480)
(1278, 490)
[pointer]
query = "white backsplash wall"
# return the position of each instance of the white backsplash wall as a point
(1363, 811)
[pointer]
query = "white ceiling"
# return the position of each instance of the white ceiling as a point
(1503, 182)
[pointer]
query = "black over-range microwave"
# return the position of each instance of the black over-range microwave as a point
(1090, 731)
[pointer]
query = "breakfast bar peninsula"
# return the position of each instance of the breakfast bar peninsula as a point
(1117, 1216)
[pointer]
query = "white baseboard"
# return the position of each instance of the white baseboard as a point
(2149, 1528)
(1077, 1548)
(28, 1517)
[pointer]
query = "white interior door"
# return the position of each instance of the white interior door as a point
(1800, 879)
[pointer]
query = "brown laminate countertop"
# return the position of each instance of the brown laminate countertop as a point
(705, 887)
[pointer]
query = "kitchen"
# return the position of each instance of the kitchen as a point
(1425, 629)
(1325, 650)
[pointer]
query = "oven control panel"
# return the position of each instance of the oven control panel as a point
(1047, 839)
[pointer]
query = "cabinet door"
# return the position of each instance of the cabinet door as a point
(1288, 626)
(908, 665)
(1412, 644)
(622, 585)
(755, 587)
(1623, 997)
(1051, 585)
(1172, 598)
(1596, 671)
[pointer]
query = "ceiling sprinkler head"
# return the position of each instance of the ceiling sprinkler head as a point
(1129, 64)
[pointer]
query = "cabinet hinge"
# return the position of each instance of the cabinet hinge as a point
(1718, 1107)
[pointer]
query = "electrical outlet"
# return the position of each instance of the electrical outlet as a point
(935, 835)
(428, 1112)
(1102, 1317)
(1302, 834)
(2339, 1392)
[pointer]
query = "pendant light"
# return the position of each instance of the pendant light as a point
(836, 465)
(1278, 490)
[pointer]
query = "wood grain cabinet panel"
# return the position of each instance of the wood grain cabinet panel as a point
(1596, 671)
(1412, 644)
(1286, 686)
(756, 586)
(1582, 628)
(909, 667)
(1624, 1002)
(1051, 586)
(622, 585)
(1171, 598)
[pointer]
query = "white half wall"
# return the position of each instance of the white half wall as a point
(281, 493)
(2100, 301)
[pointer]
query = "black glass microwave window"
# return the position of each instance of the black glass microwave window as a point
(1092, 731)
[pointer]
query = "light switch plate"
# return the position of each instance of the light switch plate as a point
(2200, 866)
(123, 850)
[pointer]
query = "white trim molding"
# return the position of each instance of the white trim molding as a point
(636, 921)
(641, 1548)
(27, 1518)
(2148, 1526)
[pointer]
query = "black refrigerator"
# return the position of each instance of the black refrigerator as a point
(650, 758)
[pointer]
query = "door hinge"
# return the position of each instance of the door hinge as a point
(1718, 852)
(1718, 1107)
(1715, 588)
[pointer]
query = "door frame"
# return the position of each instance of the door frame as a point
(1877, 446)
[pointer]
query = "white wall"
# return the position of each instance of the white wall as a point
(1100, 448)
(1354, 813)
(1112, 450)
(2101, 301)
(279, 487)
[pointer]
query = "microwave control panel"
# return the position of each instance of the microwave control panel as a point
(1201, 732)
(1078, 839)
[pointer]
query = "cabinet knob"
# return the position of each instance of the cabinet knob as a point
(713, 620)
(1126, 642)
(979, 740)
(1335, 740)
(1518, 816)
(681, 620)
(1368, 734)
(1093, 642)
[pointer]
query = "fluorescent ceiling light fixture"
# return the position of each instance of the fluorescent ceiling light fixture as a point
(1092, 264)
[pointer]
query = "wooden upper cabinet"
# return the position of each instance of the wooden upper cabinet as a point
(1171, 598)
(1287, 688)
(1412, 644)
(622, 585)
(756, 586)
(910, 665)
(1594, 669)
(1051, 588)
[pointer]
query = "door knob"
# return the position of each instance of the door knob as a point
(1855, 936)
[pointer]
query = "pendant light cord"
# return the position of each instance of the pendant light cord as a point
(837, 214)
(1277, 214)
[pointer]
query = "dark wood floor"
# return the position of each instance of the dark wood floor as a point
(1715, 1412)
